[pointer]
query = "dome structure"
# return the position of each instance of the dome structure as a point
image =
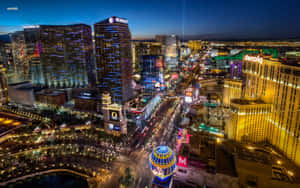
(162, 162)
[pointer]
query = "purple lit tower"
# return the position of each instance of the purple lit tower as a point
(236, 69)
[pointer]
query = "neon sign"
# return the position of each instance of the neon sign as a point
(118, 20)
(121, 20)
(254, 59)
(114, 115)
(182, 161)
(31, 26)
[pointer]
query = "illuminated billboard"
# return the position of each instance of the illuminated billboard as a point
(114, 115)
(114, 127)
(188, 99)
(189, 92)
(182, 161)
(159, 63)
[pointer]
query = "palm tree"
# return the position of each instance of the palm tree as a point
(127, 180)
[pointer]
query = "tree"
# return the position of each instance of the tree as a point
(126, 180)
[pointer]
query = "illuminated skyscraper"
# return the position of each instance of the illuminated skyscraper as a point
(140, 48)
(113, 58)
(170, 50)
(3, 84)
(249, 120)
(152, 72)
(56, 56)
(19, 69)
(195, 45)
(277, 83)
(232, 89)
(65, 54)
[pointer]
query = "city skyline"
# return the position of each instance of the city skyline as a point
(191, 19)
(154, 93)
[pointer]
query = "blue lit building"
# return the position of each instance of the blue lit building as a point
(152, 72)
(59, 56)
(113, 58)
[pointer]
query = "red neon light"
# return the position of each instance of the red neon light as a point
(188, 138)
(136, 112)
(174, 76)
(37, 52)
(182, 161)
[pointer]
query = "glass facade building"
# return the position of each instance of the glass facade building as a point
(152, 72)
(113, 58)
(58, 56)
(19, 69)
(141, 48)
(170, 50)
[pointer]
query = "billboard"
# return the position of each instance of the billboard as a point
(114, 127)
(189, 92)
(114, 115)
(159, 63)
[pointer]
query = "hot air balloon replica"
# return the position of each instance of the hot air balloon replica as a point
(162, 162)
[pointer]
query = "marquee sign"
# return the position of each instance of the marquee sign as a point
(114, 115)
(254, 59)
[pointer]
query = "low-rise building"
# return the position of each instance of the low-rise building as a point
(52, 97)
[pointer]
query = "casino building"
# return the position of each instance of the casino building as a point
(113, 58)
(60, 56)
(54, 56)
(232, 89)
(114, 119)
(276, 119)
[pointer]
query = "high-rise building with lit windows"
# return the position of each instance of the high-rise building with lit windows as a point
(249, 120)
(56, 56)
(19, 69)
(152, 72)
(276, 82)
(65, 54)
(113, 58)
(195, 45)
(141, 48)
(170, 50)
(232, 89)
(3, 84)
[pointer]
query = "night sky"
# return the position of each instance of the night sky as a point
(209, 18)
